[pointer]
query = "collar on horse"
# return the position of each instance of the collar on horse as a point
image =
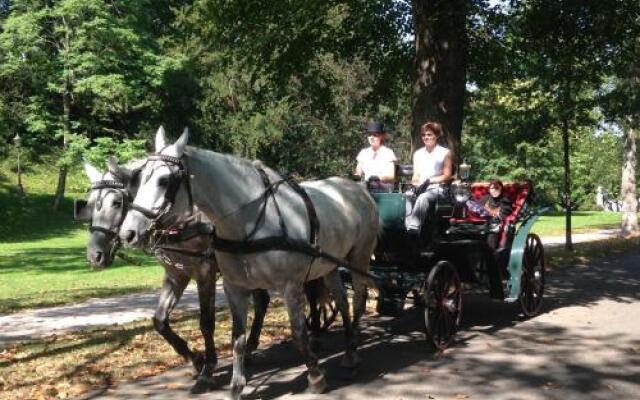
(170, 239)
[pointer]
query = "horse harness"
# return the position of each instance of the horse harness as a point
(247, 245)
(172, 188)
(110, 185)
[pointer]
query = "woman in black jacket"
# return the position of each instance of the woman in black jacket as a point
(494, 206)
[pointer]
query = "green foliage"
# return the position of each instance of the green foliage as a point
(288, 75)
(510, 134)
(101, 55)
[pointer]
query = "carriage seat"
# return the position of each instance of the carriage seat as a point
(403, 175)
(518, 192)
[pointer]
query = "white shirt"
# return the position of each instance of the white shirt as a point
(429, 164)
(376, 163)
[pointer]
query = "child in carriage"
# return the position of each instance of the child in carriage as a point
(494, 207)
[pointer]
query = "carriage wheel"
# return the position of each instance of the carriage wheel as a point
(532, 283)
(326, 316)
(442, 297)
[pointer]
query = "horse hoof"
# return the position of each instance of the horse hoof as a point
(204, 384)
(236, 393)
(317, 385)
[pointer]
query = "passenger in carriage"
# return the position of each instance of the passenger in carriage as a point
(494, 207)
(432, 168)
(376, 163)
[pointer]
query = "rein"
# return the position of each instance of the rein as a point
(247, 245)
(256, 245)
(283, 241)
(169, 238)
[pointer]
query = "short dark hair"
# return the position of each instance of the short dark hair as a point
(496, 182)
(432, 126)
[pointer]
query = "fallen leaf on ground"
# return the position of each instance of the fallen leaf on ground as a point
(174, 385)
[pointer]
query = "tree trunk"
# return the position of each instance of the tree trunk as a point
(628, 185)
(66, 118)
(567, 183)
(439, 73)
(62, 174)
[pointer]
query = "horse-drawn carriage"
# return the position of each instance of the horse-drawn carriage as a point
(453, 249)
(268, 235)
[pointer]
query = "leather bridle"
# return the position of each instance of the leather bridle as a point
(176, 178)
(105, 187)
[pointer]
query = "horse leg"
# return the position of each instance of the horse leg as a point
(312, 292)
(295, 299)
(334, 283)
(207, 300)
(359, 284)
(172, 289)
(260, 304)
(238, 299)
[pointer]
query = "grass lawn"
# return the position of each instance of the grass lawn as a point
(49, 271)
(553, 223)
(42, 252)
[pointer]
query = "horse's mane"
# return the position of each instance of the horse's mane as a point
(216, 157)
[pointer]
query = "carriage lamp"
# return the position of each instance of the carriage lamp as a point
(465, 171)
(461, 191)
(17, 140)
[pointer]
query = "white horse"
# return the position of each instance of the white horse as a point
(247, 205)
(186, 258)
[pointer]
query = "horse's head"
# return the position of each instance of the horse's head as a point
(109, 196)
(163, 197)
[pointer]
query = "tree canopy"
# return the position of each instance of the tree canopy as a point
(293, 82)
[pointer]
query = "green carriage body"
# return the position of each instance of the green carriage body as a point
(401, 267)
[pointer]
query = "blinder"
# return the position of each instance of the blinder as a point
(173, 185)
(83, 211)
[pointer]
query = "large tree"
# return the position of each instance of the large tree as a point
(563, 47)
(439, 71)
(621, 99)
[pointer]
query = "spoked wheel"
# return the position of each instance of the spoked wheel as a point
(322, 310)
(532, 283)
(325, 316)
(443, 304)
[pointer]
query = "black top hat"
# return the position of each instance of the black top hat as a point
(373, 127)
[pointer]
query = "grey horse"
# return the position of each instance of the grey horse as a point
(250, 205)
(184, 256)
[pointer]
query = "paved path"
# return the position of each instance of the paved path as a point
(118, 310)
(557, 241)
(91, 313)
(584, 345)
